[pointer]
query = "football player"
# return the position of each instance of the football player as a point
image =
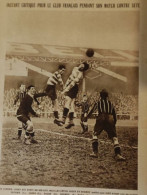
(106, 120)
(71, 89)
(85, 108)
(21, 93)
(50, 91)
(23, 112)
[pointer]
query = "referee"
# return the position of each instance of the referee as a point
(106, 120)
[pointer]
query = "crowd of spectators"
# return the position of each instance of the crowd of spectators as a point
(126, 105)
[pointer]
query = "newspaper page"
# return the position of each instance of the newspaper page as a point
(70, 97)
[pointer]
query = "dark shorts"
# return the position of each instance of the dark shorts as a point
(51, 92)
(23, 118)
(72, 93)
(105, 122)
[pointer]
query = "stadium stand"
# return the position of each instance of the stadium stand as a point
(126, 105)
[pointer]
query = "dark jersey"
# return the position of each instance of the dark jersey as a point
(20, 95)
(26, 105)
(84, 106)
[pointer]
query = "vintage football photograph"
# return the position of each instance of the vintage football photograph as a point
(70, 100)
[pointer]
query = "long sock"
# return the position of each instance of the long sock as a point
(32, 135)
(95, 146)
(56, 114)
(65, 112)
(86, 127)
(83, 127)
(19, 131)
(117, 149)
(27, 134)
(71, 116)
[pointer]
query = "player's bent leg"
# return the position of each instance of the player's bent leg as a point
(29, 126)
(85, 129)
(98, 128)
(68, 101)
(94, 154)
(111, 131)
(31, 132)
(117, 150)
(71, 115)
(19, 129)
(56, 114)
(29, 135)
(21, 126)
(22, 122)
(55, 104)
(27, 138)
(71, 123)
(82, 123)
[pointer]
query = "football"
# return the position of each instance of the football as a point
(90, 52)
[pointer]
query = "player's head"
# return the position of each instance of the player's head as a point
(84, 66)
(22, 87)
(103, 94)
(31, 89)
(84, 98)
(61, 68)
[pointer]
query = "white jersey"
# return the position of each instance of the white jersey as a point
(55, 78)
(73, 79)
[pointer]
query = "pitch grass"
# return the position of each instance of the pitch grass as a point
(62, 159)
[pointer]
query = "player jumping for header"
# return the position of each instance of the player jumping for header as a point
(50, 91)
(71, 90)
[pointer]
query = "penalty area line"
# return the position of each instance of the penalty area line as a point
(63, 134)
(82, 138)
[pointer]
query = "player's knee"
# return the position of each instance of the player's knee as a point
(30, 126)
(19, 124)
(115, 141)
(68, 102)
(94, 138)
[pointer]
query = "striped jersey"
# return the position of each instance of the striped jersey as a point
(19, 97)
(55, 78)
(104, 106)
(73, 79)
